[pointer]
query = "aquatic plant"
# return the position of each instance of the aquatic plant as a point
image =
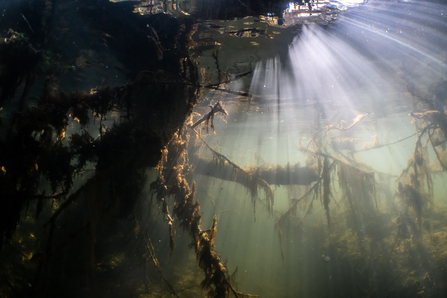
(172, 182)
(72, 200)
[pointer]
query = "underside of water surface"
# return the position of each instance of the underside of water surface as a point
(223, 149)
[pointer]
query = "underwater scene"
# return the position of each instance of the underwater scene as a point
(227, 148)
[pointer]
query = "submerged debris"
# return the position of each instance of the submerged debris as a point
(172, 182)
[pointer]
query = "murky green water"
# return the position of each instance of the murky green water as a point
(323, 173)
(342, 94)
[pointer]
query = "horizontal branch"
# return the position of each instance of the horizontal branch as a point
(275, 175)
(388, 144)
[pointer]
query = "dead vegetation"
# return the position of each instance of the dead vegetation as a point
(365, 238)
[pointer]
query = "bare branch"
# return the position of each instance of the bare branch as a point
(218, 108)
(356, 121)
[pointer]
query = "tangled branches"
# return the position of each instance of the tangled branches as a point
(208, 118)
(172, 182)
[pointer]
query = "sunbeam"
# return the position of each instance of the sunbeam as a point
(339, 103)
(220, 148)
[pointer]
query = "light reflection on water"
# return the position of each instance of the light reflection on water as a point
(359, 67)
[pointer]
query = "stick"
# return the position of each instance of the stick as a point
(357, 120)
(151, 252)
(50, 197)
(29, 26)
(214, 110)
(336, 159)
(228, 81)
(418, 141)
(389, 144)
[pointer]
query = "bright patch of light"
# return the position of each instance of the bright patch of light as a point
(352, 2)
(321, 12)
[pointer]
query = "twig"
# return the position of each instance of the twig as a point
(50, 197)
(336, 159)
(29, 26)
(228, 81)
(305, 195)
(214, 110)
(357, 120)
(240, 294)
(389, 144)
(187, 82)
(67, 202)
(294, 206)
(418, 141)
(219, 72)
(225, 158)
(151, 252)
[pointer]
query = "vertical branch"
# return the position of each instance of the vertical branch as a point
(326, 189)
(150, 254)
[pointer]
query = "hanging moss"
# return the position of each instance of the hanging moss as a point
(171, 183)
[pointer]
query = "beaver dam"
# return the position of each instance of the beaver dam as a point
(198, 149)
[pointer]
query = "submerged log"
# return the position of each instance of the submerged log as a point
(275, 175)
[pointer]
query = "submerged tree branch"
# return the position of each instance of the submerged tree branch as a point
(417, 144)
(150, 252)
(275, 175)
(214, 86)
(356, 121)
(388, 144)
(246, 178)
(293, 208)
(42, 196)
(335, 159)
(147, 77)
(218, 108)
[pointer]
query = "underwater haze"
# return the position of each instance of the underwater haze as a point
(198, 149)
